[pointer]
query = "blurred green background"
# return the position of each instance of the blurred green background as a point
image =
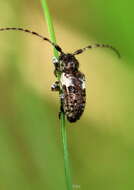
(101, 144)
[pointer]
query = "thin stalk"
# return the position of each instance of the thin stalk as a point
(49, 24)
(65, 149)
(62, 119)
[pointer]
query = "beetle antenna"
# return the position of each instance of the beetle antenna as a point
(79, 51)
(57, 47)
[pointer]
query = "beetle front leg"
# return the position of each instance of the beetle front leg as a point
(55, 86)
(56, 63)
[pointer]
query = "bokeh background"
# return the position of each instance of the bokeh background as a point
(101, 144)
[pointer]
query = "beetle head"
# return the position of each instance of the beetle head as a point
(68, 63)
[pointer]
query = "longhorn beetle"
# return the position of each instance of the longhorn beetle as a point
(72, 82)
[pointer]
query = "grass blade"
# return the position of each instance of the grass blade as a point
(62, 119)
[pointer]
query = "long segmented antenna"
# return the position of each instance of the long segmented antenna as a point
(79, 51)
(57, 47)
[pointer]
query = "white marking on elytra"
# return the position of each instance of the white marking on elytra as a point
(83, 85)
(66, 80)
(83, 82)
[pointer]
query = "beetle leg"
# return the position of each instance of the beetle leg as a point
(55, 86)
(62, 96)
(56, 63)
(61, 109)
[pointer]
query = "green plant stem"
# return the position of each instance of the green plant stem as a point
(65, 149)
(49, 25)
(62, 119)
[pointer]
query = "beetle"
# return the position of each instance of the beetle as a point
(72, 82)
